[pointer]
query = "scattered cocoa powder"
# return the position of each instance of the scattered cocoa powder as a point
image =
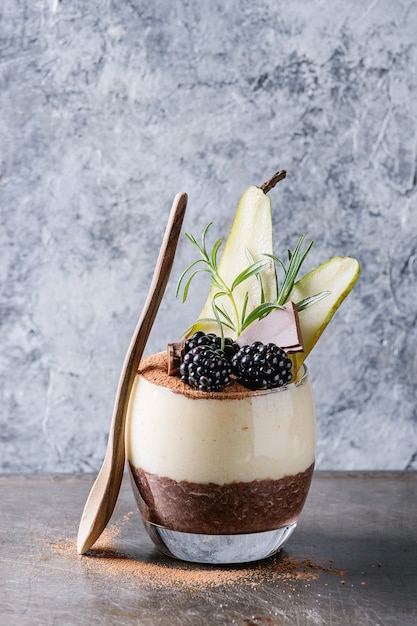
(308, 564)
(104, 559)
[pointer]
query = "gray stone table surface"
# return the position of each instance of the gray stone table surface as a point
(352, 560)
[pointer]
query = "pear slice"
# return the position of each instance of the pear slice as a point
(251, 232)
(338, 275)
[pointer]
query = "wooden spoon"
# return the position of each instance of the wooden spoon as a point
(105, 490)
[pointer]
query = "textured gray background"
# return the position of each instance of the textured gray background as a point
(107, 109)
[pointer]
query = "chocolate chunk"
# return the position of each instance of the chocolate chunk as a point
(175, 352)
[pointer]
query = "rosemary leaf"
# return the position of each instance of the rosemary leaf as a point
(259, 312)
(306, 302)
(215, 250)
(181, 278)
(187, 284)
(259, 278)
(203, 239)
(244, 307)
(252, 270)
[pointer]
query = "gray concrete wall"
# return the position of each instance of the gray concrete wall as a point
(107, 109)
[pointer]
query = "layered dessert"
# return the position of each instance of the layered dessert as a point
(239, 461)
(221, 428)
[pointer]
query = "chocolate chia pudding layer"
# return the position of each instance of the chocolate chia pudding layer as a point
(211, 509)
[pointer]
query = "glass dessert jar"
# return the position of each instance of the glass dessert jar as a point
(219, 477)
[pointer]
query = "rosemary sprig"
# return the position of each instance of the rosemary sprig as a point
(208, 263)
(237, 321)
(296, 259)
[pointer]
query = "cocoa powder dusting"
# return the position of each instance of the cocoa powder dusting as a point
(105, 559)
(155, 369)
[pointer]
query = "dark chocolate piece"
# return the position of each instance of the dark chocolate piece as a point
(175, 352)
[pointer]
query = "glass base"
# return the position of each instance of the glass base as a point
(218, 549)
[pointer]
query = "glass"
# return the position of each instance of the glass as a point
(221, 478)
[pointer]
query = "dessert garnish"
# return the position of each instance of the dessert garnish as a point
(178, 349)
(237, 317)
(261, 366)
(281, 327)
(205, 361)
(257, 312)
(205, 368)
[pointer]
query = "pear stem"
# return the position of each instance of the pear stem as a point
(270, 184)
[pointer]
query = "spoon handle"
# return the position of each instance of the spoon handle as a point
(105, 490)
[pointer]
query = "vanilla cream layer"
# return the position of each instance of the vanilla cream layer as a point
(257, 436)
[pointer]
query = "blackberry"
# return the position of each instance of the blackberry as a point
(213, 341)
(199, 339)
(205, 368)
(261, 366)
